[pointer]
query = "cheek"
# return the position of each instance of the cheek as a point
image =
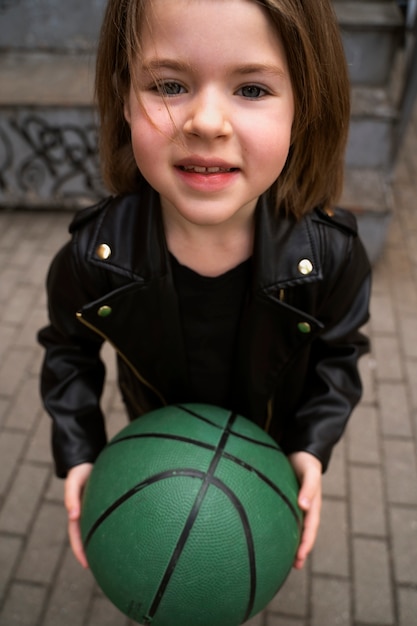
(273, 147)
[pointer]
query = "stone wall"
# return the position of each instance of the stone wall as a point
(50, 24)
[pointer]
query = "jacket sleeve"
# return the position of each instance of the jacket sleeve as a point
(72, 374)
(333, 385)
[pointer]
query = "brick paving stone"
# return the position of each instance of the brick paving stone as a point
(408, 607)
(382, 314)
(404, 539)
(362, 437)
(394, 409)
(367, 501)
(39, 449)
(36, 364)
(35, 319)
(4, 408)
(44, 548)
(8, 335)
(23, 499)
(256, 620)
(333, 532)
(401, 471)
(292, 599)
(387, 355)
(10, 548)
(13, 369)
(331, 605)
(11, 448)
(411, 372)
(115, 422)
(276, 620)
(10, 277)
(18, 305)
(55, 490)
(334, 480)
(408, 335)
(103, 613)
(25, 411)
(24, 251)
(366, 371)
(373, 600)
(69, 603)
(23, 606)
(398, 264)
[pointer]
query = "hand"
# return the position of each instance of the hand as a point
(308, 470)
(74, 486)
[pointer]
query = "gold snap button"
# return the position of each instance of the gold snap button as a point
(305, 267)
(103, 251)
(104, 311)
(304, 327)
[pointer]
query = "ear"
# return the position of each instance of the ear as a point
(126, 109)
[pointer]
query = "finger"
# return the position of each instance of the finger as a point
(74, 533)
(310, 530)
(72, 499)
(74, 486)
(309, 490)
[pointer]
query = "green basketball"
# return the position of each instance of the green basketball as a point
(190, 518)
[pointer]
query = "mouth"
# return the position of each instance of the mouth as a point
(198, 169)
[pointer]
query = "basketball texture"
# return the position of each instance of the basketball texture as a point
(190, 518)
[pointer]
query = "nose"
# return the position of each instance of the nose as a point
(208, 116)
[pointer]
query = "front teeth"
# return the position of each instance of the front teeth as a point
(205, 170)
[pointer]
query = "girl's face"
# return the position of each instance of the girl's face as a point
(212, 109)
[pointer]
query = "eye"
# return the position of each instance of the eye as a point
(170, 88)
(252, 91)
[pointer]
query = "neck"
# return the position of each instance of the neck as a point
(210, 250)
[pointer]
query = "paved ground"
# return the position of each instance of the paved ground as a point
(364, 568)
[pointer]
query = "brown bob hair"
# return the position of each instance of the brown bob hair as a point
(313, 173)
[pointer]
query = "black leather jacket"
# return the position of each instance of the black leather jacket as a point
(298, 345)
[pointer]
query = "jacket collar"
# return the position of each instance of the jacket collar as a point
(285, 251)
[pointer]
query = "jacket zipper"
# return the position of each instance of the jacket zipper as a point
(122, 356)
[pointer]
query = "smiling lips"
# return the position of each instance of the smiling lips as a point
(206, 178)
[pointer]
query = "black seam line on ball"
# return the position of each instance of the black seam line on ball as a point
(200, 417)
(297, 516)
(226, 455)
(216, 482)
(200, 444)
(272, 446)
(208, 480)
(134, 490)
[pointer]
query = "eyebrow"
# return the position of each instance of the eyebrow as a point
(153, 65)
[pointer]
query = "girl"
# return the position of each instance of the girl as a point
(219, 270)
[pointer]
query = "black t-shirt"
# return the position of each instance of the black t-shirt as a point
(211, 310)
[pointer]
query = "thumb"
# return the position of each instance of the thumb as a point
(308, 490)
(74, 485)
(72, 499)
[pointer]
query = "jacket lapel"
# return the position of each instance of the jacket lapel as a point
(273, 331)
(140, 287)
